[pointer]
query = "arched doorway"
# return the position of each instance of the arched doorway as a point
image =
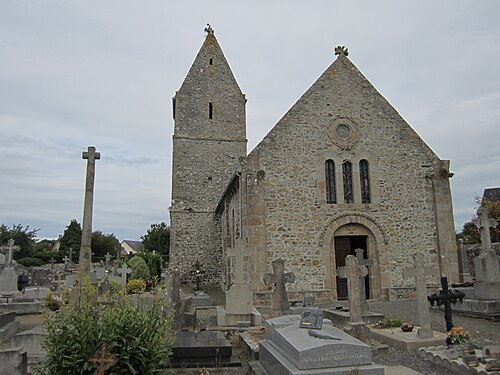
(342, 236)
(343, 246)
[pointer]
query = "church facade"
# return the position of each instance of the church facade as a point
(341, 171)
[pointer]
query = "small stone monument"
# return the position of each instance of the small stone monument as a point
(124, 271)
(419, 272)
(368, 262)
(239, 298)
(8, 276)
(278, 280)
(85, 250)
(354, 273)
(487, 264)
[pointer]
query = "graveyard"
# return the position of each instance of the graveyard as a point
(330, 248)
(225, 333)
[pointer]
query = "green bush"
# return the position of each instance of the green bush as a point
(140, 269)
(135, 286)
(30, 262)
(138, 338)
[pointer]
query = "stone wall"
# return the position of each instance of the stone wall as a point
(286, 178)
(209, 138)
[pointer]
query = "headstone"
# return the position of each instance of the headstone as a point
(353, 272)
(368, 262)
(311, 318)
(85, 250)
(446, 297)
(69, 281)
(107, 258)
(174, 297)
(419, 272)
(239, 298)
(487, 264)
(278, 280)
(123, 271)
(8, 276)
(288, 349)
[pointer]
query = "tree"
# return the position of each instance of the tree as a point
(102, 243)
(470, 233)
(153, 261)
(157, 238)
(140, 269)
(23, 237)
(71, 238)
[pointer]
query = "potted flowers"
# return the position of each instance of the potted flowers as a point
(457, 336)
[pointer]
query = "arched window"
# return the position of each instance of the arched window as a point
(347, 177)
(364, 177)
(331, 192)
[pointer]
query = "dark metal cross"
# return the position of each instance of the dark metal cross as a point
(445, 297)
(197, 272)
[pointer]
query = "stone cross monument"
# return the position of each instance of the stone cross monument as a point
(239, 298)
(278, 280)
(123, 271)
(8, 276)
(487, 264)
(362, 290)
(353, 272)
(484, 223)
(85, 251)
(419, 272)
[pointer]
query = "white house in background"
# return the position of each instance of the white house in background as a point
(129, 247)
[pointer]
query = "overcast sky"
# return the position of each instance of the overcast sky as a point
(102, 73)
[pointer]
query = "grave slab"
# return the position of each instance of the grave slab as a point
(202, 349)
(408, 341)
(288, 349)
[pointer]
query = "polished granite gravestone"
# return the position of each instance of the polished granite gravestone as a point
(288, 349)
(202, 349)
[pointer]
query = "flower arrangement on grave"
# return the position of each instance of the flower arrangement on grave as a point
(457, 335)
(407, 326)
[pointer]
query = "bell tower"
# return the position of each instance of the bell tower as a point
(209, 138)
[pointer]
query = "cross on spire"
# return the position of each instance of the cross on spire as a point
(341, 51)
(209, 29)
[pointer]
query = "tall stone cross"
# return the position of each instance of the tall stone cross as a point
(71, 255)
(419, 272)
(123, 271)
(362, 290)
(85, 251)
(9, 251)
(278, 280)
(484, 222)
(353, 272)
(239, 298)
(65, 260)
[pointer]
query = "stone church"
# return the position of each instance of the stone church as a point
(341, 171)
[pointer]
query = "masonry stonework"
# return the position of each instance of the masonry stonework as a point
(392, 193)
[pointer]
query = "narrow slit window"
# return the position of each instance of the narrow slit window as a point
(347, 177)
(211, 61)
(364, 177)
(210, 111)
(331, 193)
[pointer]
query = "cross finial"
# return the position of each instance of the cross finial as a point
(209, 29)
(341, 50)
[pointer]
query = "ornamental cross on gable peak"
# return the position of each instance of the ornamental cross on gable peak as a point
(209, 29)
(342, 51)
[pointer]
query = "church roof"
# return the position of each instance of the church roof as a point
(340, 82)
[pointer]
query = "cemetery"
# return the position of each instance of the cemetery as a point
(242, 295)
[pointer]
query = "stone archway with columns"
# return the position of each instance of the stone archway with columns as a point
(356, 224)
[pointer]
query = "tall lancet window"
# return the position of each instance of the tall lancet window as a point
(331, 192)
(364, 177)
(347, 177)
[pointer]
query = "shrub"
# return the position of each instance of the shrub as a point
(138, 338)
(30, 262)
(140, 269)
(135, 286)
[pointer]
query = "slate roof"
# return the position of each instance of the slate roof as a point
(492, 194)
